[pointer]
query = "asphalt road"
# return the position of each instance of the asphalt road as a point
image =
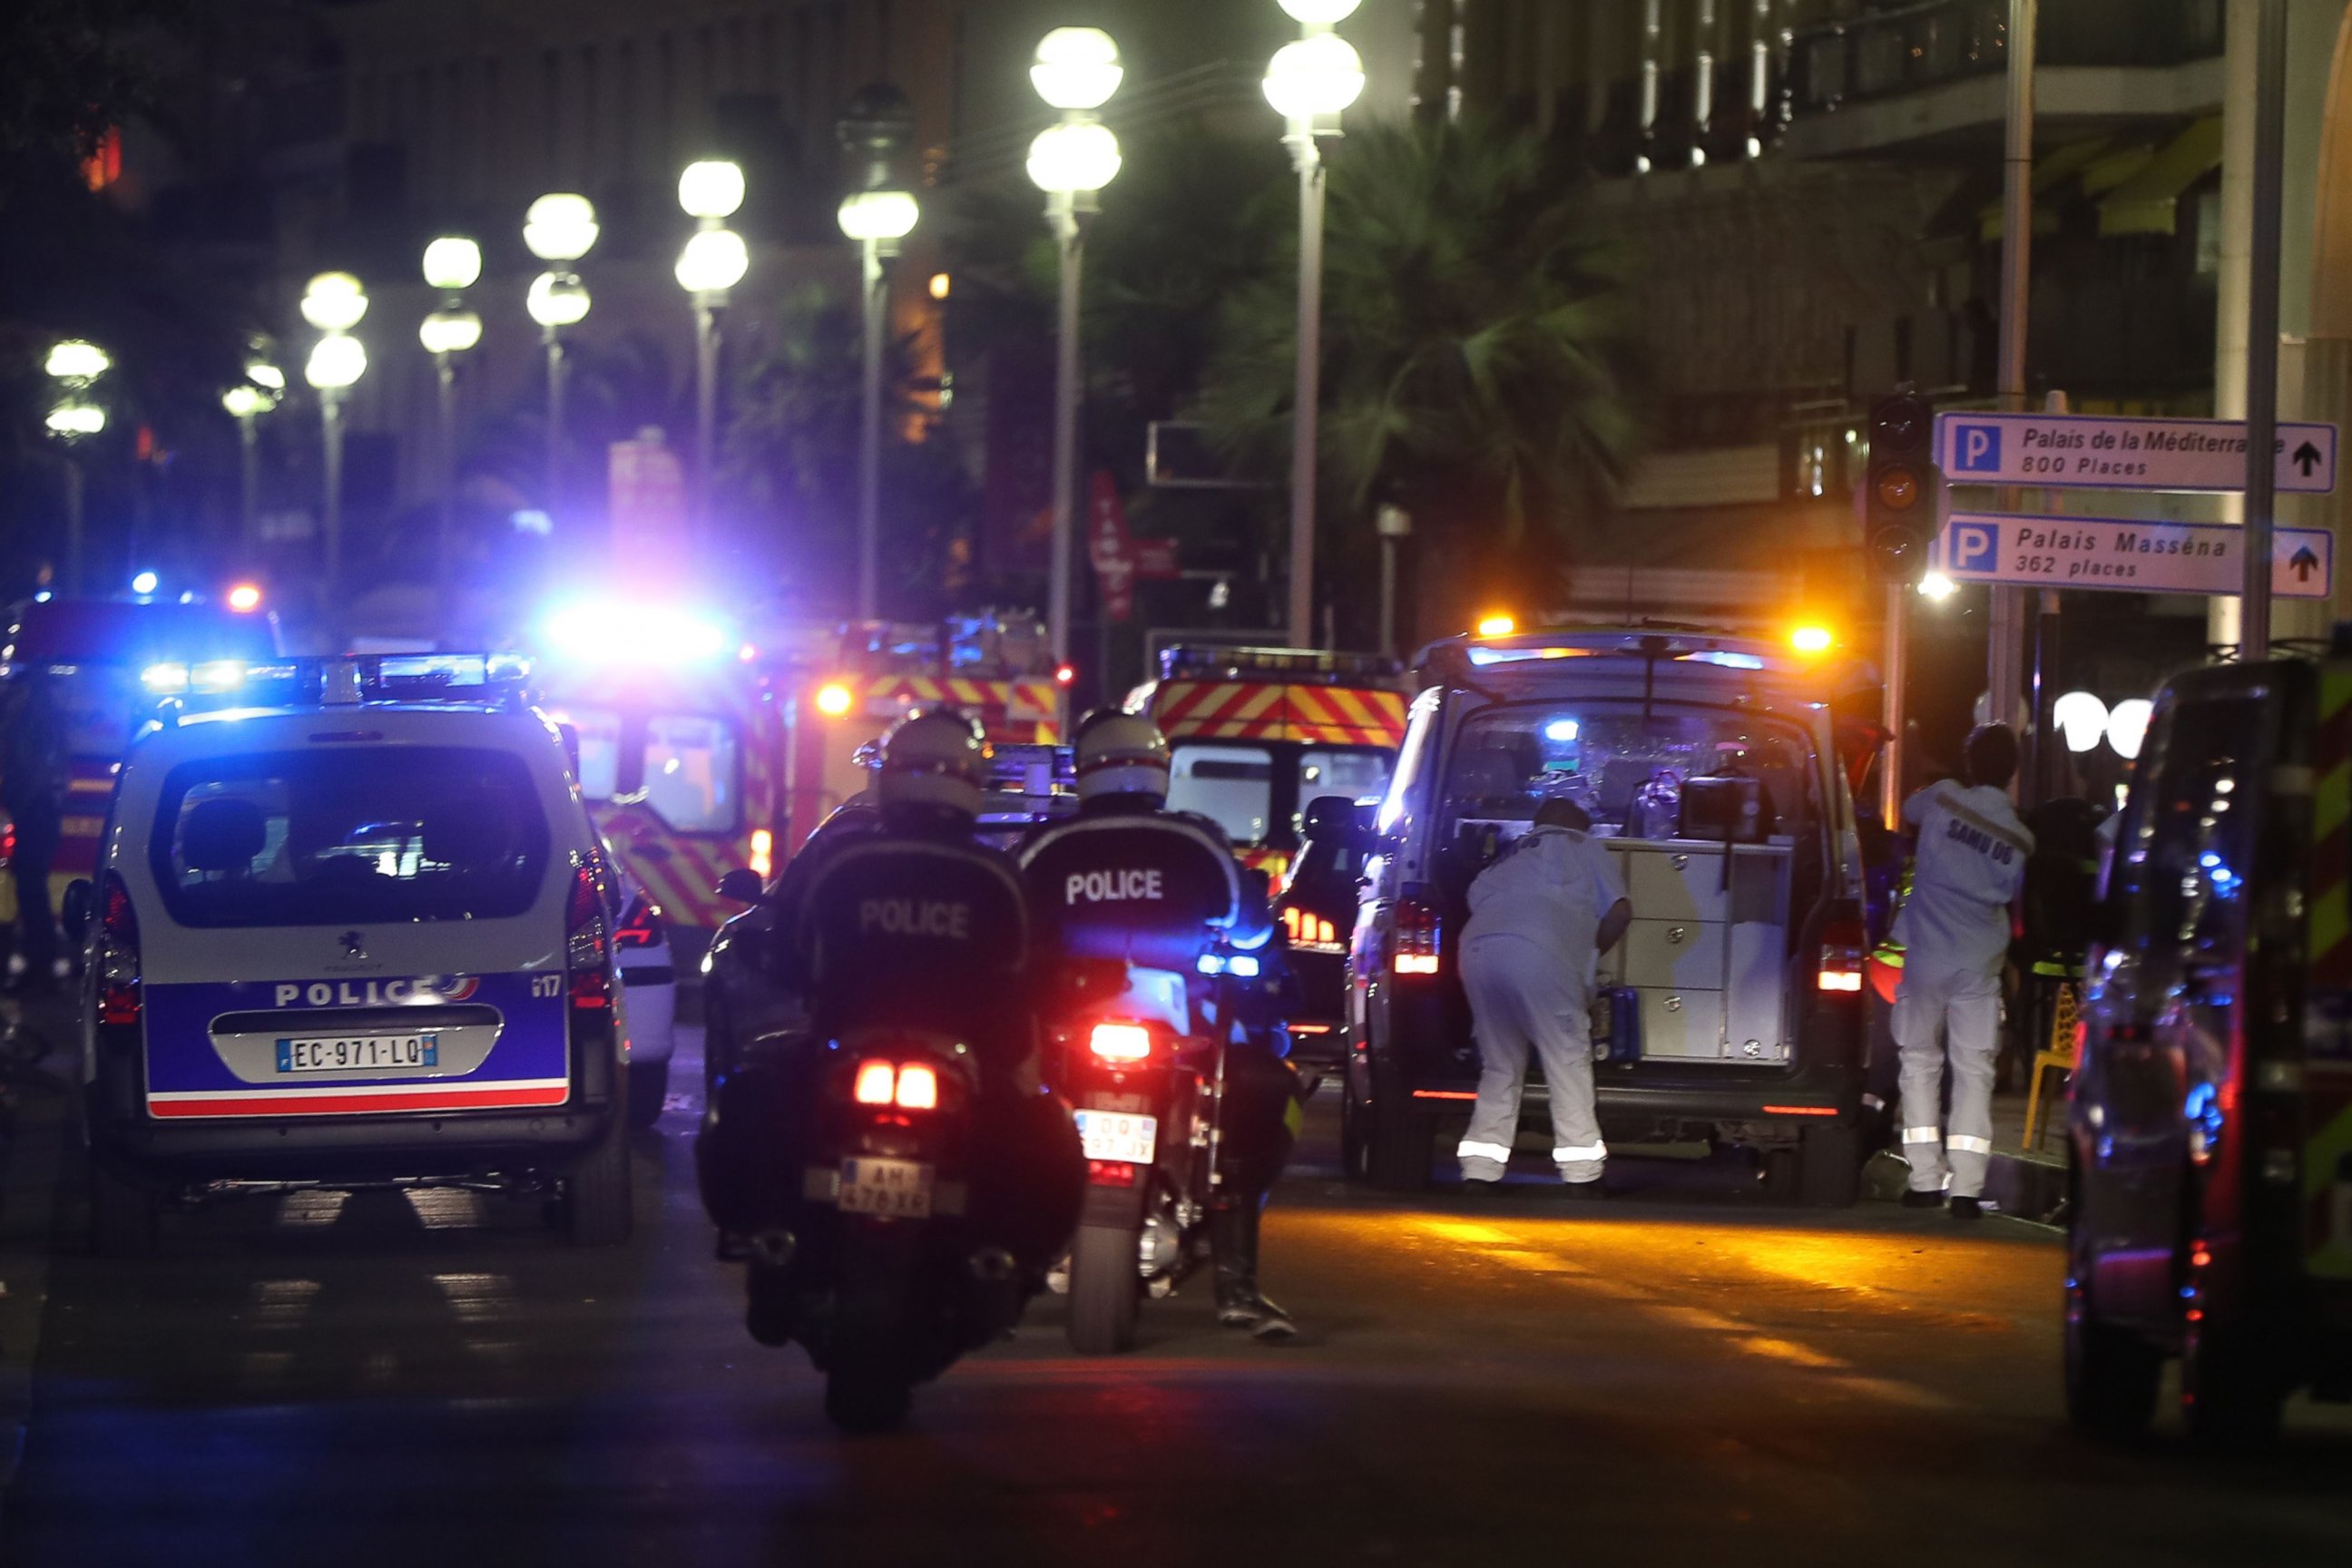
(1683, 1375)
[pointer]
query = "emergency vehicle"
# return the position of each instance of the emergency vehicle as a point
(1255, 735)
(93, 652)
(2209, 1215)
(359, 931)
(998, 668)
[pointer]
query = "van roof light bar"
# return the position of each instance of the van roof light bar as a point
(1199, 661)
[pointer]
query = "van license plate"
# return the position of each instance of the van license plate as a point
(1109, 1136)
(358, 1053)
(897, 1189)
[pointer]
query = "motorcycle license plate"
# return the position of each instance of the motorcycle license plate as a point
(896, 1189)
(1109, 1135)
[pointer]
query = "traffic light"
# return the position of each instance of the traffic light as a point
(1898, 504)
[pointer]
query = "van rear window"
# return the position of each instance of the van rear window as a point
(1630, 771)
(351, 837)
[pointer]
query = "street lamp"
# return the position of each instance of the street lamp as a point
(334, 302)
(453, 264)
(74, 366)
(1077, 71)
(558, 229)
(1309, 82)
(247, 402)
(875, 129)
(714, 260)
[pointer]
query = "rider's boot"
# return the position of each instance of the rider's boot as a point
(1233, 1237)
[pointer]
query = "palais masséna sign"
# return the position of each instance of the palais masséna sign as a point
(2127, 556)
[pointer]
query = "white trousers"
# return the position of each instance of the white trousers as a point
(1523, 998)
(1945, 1014)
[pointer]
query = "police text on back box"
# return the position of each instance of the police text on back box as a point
(2128, 556)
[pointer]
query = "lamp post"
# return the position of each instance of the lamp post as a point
(1077, 71)
(74, 366)
(714, 260)
(334, 302)
(453, 264)
(1395, 524)
(558, 229)
(878, 213)
(1309, 81)
(247, 402)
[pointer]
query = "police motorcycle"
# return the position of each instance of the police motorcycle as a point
(1161, 1007)
(900, 1175)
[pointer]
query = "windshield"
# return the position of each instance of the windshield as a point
(349, 838)
(100, 704)
(1246, 790)
(690, 771)
(1630, 773)
(600, 750)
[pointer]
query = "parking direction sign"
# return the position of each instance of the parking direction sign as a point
(2091, 452)
(2128, 556)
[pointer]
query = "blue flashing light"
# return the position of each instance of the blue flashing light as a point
(1727, 660)
(1561, 730)
(1244, 964)
(2208, 860)
(216, 675)
(43, 597)
(611, 632)
(1483, 656)
(1211, 963)
(145, 583)
(166, 680)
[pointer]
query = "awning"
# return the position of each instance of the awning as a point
(2053, 174)
(2148, 202)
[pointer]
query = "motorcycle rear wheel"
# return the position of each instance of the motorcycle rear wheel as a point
(1105, 1289)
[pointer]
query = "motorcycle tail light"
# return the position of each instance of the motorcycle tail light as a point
(875, 1084)
(1120, 1042)
(1109, 1173)
(1844, 947)
(1418, 932)
(918, 1088)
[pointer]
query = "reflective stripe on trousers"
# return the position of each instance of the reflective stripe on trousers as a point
(1525, 1000)
(1471, 1149)
(1947, 1016)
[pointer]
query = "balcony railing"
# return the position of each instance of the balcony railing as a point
(1943, 41)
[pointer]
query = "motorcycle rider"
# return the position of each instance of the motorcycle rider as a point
(908, 922)
(1127, 880)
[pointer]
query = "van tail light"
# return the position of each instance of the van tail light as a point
(588, 948)
(120, 1001)
(641, 925)
(1304, 927)
(7, 843)
(1119, 1042)
(1846, 946)
(914, 1086)
(1418, 931)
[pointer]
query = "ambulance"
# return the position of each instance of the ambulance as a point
(839, 698)
(2210, 1211)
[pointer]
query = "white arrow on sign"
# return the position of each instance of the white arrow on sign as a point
(2128, 556)
(2077, 451)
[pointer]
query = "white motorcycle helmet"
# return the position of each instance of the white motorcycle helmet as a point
(935, 765)
(1121, 756)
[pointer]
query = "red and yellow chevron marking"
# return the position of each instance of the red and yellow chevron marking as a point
(1276, 711)
(678, 871)
(2331, 832)
(1012, 712)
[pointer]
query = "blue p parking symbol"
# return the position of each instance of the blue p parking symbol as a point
(1973, 548)
(1976, 449)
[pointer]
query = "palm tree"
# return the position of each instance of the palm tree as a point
(1477, 369)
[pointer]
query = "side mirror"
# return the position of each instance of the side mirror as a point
(569, 733)
(742, 886)
(81, 902)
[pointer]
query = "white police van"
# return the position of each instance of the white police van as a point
(361, 934)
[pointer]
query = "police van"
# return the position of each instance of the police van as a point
(351, 924)
(1709, 767)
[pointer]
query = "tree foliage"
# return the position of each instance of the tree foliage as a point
(1476, 368)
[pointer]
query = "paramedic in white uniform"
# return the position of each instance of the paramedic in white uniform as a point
(1541, 917)
(1955, 928)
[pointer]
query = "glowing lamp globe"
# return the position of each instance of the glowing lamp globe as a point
(2082, 718)
(878, 215)
(453, 262)
(337, 363)
(560, 227)
(1074, 157)
(714, 260)
(712, 188)
(334, 302)
(1318, 74)
(245, 402)
(1321, 13)
(557, 300)
(1077, 67)
(75, 359)
(262, 374)
(76, 419)
(449, 331)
